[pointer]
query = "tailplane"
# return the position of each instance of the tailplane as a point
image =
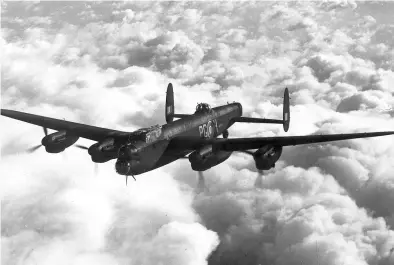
(286, 115)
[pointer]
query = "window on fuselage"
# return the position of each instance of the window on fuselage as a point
(147, 135)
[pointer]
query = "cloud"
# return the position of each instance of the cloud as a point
(79, 219)
(108, 64)
(369, 99)
(330, 5)
(220, 52)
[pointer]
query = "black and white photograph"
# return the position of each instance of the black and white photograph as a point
(197, 132)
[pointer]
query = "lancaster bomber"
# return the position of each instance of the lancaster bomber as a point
(193, 136)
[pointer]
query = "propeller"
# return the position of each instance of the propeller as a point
(247, 152)
(127, 176)
(259, 180)
(34, 148)
(87, 148)
(95, 169)
(81, 147)
(201, 187)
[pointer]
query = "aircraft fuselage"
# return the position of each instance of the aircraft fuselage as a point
(145, 155)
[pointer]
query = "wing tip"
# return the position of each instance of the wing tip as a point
(5, 112)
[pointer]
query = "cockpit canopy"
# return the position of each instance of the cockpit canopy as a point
(203, 108)
(147, 135)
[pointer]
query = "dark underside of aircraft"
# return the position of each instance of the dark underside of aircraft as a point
(193, 136)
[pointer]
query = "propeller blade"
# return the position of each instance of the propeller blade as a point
(259, 180)
(95, 169)
(34, 148)
(81, 147)
(247, 152)
(201, 182)
(127, 176)
(64, 154)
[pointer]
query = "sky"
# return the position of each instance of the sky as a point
(108, 64)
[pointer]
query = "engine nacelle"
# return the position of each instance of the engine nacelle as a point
(266, 157)
(205, 158)
(103, 151)
(57, 142)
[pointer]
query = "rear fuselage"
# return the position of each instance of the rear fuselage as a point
(160, 152)
(197, 125)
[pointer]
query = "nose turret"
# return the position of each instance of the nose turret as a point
(122, 167)
(128, 159)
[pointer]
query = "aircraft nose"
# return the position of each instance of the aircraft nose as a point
(128, 152)
(122, 167)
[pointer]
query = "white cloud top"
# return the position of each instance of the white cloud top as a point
(108, 64)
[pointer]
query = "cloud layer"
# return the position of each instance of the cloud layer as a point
(107, 64)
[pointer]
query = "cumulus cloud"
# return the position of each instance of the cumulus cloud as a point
(49, 217)
(370, 99)
(107, 64)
